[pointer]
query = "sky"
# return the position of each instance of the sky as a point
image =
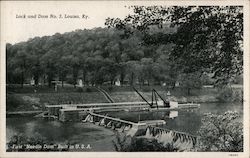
(21, 29)
(14, 30)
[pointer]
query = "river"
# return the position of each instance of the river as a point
(100, 138)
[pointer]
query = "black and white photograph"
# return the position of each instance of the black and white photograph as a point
(108, 77)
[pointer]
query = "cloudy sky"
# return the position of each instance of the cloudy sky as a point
(21, 29)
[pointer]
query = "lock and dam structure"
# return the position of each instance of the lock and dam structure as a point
(151, 129)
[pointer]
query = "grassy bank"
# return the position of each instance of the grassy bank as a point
(35, 101)
(20, 99)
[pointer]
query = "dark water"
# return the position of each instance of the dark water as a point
(186, 120)
(55, 131)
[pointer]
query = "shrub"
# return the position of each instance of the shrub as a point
(221, 133)
(227, 94)
(136, 144)
(190, 81)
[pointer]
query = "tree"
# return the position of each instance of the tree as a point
(147, 69)
(96, 56)
(35, 53)
(21, 62)
(168, 70)
(134, 71)
(49, 66)
(63, 68)
(124, 143)
(190, 81)
(10, 53)
(205, 38)
(215, 35)
(221, 132)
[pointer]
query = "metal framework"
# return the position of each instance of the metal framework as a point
(154, 97)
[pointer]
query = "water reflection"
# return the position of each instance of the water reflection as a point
(188, 120)
(173, 114)
(184, 120)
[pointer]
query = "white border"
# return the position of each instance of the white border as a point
(245, 154)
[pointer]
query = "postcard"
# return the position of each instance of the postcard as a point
(124, 79)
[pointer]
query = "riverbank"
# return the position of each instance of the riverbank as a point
(25, 100)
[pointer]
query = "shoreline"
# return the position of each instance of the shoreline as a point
(16, 102)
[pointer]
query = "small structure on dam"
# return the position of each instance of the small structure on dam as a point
(147, 128)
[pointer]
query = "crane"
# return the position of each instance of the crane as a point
(154, 96)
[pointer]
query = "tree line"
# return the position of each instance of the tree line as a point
(154, 45)
(96, 56)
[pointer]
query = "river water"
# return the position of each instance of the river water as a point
(100, 138)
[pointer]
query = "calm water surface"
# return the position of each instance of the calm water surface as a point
(55, 131)
(186, 120)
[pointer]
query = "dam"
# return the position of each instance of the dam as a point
(151, 128)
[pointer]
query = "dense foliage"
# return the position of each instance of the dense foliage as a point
(205, 38)
(154, 45)
(124, 143)
(96, 56)
(221, 132)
